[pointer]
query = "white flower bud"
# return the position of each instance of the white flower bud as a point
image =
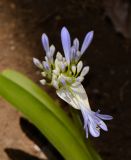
(76, 43)
(43, 74)
(79, 66)
(79, 79)
(73, 69)
(55, 84)
(37, 63)
(52, 50)
(43, 81)
(59, 56)
(85, 71)
(78, 53)
(56, 63)
(56, 71)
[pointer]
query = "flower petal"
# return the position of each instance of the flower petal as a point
(87, 41)
(87, 132)
(104, 116)
(43, 81)
(93, 130)
(74, 96)
(101, 123)
(89, 121)
(81, 96)
(92, 123)
(103, 126)
(66, 43)
(67, 97)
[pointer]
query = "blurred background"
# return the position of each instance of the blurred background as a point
(108, 83)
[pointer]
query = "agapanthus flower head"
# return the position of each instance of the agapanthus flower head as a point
(66, 73)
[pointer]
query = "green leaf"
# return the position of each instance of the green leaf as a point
(43, 97)
(41, 110)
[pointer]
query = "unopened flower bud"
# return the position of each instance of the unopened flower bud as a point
(79, 79)
(43, 74)
(37, 63)
(59, 56)
(52, 50)
(55, 84)
(79, 66)
(73, 69)
(43, 81)
(85, 71)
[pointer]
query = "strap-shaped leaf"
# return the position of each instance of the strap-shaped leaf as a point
(41, 110)
(43, 97)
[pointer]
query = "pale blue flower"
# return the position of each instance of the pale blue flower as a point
(77, 98)
(66, 75)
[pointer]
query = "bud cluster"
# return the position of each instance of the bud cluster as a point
(58, 73)
(63, 71)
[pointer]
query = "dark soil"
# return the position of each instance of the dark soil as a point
(108, 83)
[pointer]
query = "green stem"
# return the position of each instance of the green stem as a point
(77, 121)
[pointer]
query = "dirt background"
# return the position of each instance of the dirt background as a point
(108, 84)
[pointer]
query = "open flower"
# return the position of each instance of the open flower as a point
(77, 98)
(66, 75)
